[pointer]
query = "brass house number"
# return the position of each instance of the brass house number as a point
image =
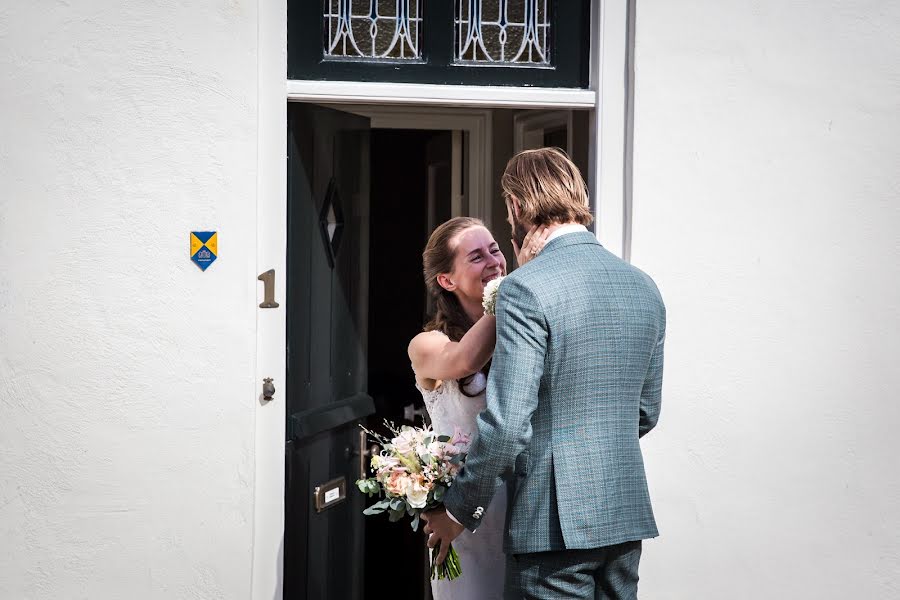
(268, 279)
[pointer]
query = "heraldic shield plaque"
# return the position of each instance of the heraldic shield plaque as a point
(204, 248)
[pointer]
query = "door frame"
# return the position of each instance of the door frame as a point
(430, 94)
(610, 104)
(476, 122)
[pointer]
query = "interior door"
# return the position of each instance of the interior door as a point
(327, 295)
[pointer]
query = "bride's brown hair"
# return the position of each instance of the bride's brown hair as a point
(449, 317)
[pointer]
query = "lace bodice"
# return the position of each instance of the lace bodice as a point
(449, 408)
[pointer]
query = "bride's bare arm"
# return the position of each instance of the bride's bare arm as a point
(435, 357)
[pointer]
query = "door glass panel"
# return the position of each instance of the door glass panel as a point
(373, 29)
(503, 32)
(444, 42)
(331, 221)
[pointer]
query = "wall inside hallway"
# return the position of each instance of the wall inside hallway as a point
(126, 374)
(766, 208)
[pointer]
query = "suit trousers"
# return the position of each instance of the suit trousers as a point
(607, 573)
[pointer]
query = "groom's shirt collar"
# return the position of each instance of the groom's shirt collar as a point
(570, 228)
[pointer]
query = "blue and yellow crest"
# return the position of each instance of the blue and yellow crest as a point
(204, 247)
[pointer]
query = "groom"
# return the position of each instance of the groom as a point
(574, 383)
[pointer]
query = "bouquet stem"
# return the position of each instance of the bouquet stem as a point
(450, 568)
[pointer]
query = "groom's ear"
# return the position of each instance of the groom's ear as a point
(444, 281)
(517, 210)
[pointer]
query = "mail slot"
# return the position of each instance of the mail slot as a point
(330, 493)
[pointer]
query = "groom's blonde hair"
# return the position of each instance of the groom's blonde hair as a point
(547, 187)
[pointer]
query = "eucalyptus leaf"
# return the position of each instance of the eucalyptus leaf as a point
(377, 508)
(368, 486)
(396, 515)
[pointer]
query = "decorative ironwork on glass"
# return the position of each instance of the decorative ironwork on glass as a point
(505, 32)
(373, 29)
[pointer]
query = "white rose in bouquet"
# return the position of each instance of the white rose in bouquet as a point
(406, 441)
(416, 493)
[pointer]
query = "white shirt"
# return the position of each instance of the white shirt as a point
(570, 228)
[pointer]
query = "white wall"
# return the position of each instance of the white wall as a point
(766, 203)
(127, 389)
(767, 145)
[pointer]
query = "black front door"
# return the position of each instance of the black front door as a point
(327, 323)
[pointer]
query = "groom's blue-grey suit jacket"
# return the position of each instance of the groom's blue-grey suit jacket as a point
(574, 383)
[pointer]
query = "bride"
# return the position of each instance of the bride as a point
(450, 359)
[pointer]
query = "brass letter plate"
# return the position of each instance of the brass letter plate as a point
(330, 493)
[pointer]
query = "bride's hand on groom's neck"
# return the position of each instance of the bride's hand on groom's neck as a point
(532, 244)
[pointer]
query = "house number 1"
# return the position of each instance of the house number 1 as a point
(268, 279)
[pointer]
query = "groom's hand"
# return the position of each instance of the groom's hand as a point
(442, 530)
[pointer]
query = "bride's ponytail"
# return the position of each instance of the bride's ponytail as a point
(449, 317)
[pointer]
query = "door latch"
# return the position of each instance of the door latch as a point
(268, 389)
(365, 453)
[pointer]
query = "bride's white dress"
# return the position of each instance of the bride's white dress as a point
(480, 553)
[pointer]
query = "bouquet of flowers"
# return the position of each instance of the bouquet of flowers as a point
(412, 471)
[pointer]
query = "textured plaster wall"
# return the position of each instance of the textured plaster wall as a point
(766, 206)
(126, 374)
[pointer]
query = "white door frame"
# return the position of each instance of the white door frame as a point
(606, 98)
(267, 479)
(367, 92)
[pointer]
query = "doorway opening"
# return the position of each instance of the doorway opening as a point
(366, 186)
(410, 192)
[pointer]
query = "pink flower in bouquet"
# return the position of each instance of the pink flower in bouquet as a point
(397, 483)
